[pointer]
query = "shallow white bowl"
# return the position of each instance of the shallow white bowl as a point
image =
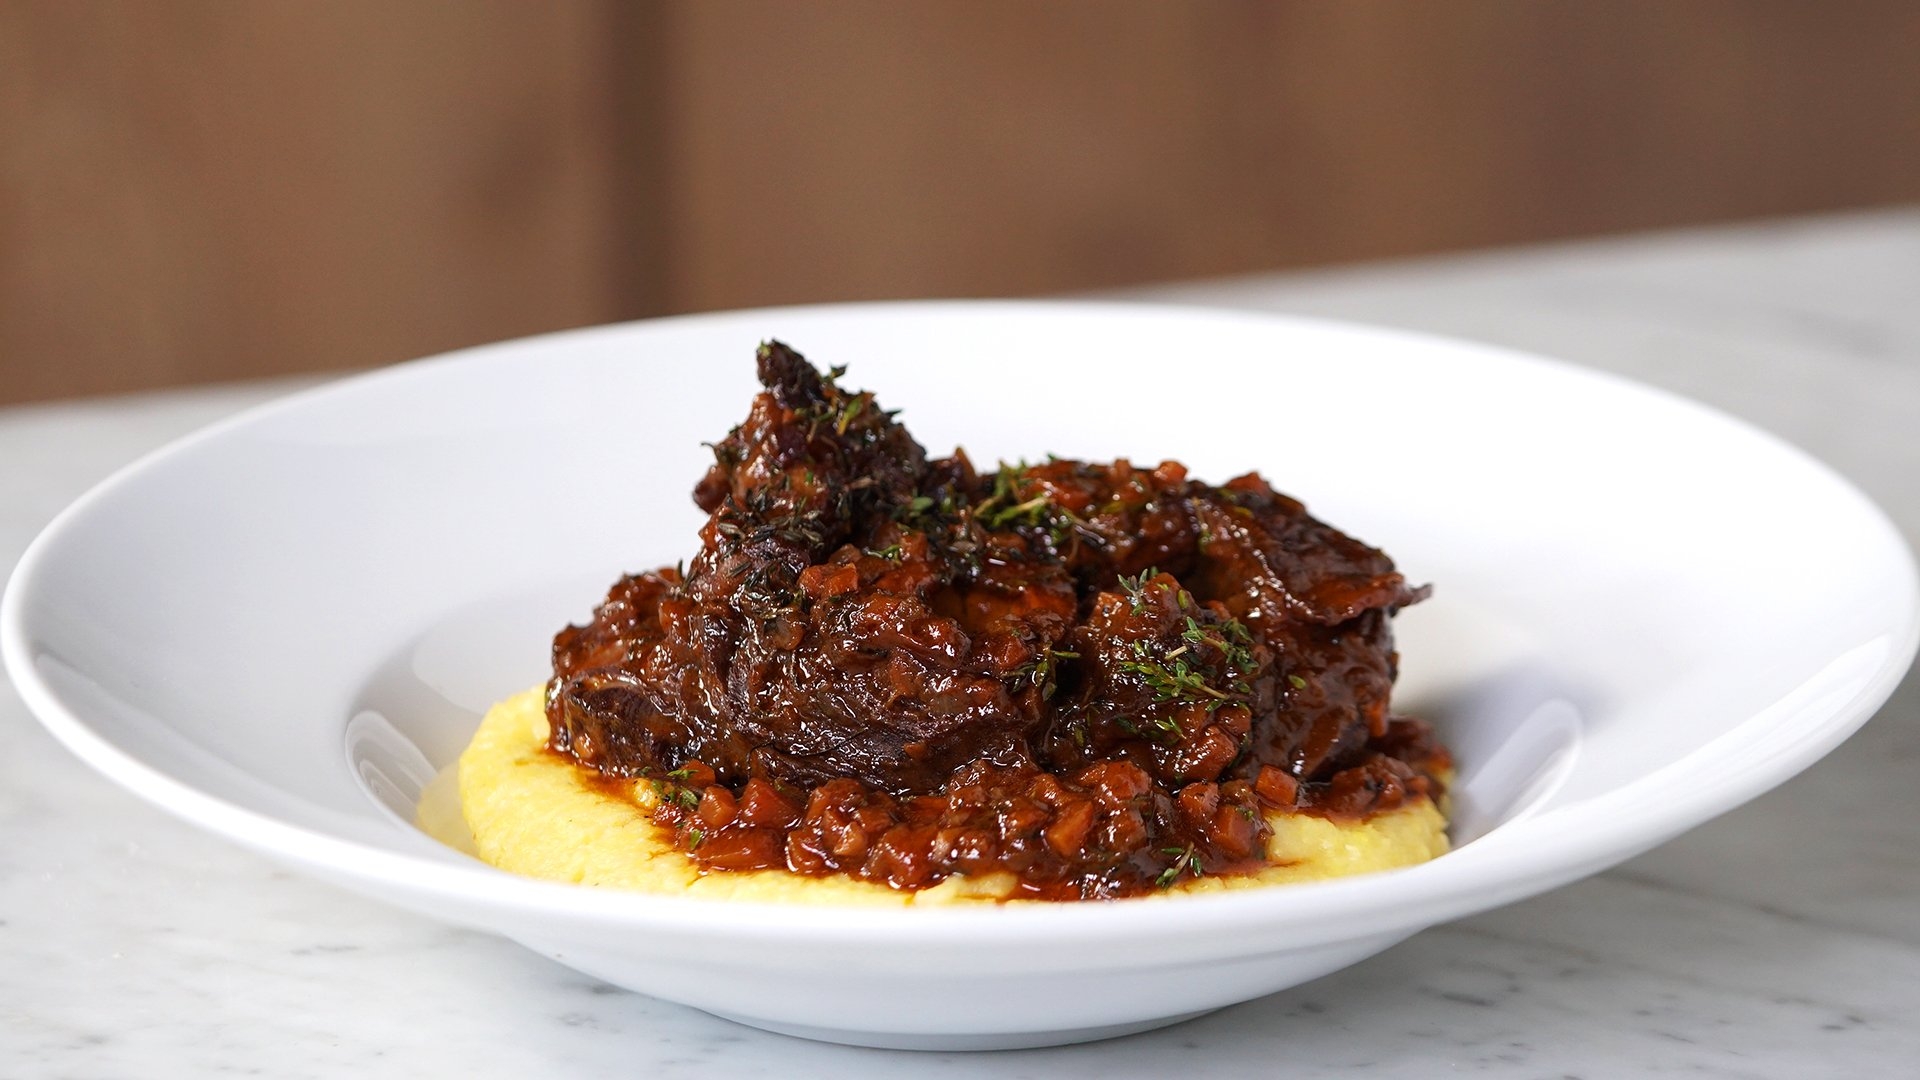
(1645, 613)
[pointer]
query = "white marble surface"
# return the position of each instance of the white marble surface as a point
(1782, 940)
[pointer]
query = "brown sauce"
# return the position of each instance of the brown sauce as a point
(1099, 678)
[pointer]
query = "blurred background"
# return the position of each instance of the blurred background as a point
(204, 190)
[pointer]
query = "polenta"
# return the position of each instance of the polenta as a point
(533, 812)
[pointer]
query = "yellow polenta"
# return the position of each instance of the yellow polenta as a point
(531, 813)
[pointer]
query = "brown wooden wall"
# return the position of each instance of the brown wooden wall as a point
(208, 189)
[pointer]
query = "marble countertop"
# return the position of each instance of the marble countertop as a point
(1782, 940)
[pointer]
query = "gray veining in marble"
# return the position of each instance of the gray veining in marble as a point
(1782, 940)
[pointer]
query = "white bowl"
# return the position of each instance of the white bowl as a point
(1645, 613)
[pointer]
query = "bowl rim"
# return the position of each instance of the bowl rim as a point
(1511, 862)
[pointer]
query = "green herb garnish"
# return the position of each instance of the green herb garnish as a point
(1185, 860)
(1135, 588)
(1041, 670)
(1170, 677)
(848, 412)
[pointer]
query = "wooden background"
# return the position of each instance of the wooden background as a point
(210, 189)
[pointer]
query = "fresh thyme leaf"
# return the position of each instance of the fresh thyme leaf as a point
(851, 410)
(1297, 682)
(1170, 678)
(1011, 515)
(1135, 588)
(913, 512)
(1041, 670)
(1230, 639)
(1186, 860)
(1006, 506)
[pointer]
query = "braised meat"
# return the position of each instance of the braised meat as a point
(1097, 677)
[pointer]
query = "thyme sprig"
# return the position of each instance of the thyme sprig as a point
(1005, 505)
(1135, 588)
(837, 408)
(1042, 671)
(1230, 638)
(1186, 860)
(1170, 677)
(849, 410)
(1010, 505)
(1177, 675)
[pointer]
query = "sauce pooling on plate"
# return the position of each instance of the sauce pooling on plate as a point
(1097, 678)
